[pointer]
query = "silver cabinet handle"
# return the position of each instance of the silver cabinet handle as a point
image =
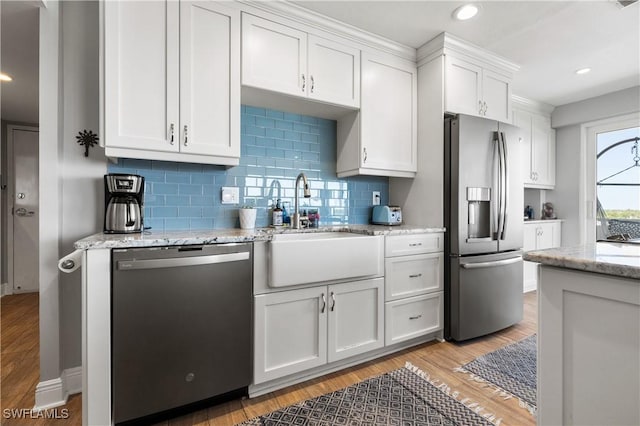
(333, 301)
(480, 107)
(324, 304)
(304, 83)
(22, 212)
(171, 131)
(364, 151)
(415, 244)
(415, 317)
(313, 84)
(186, 139)
(486, 107)
(415, 276)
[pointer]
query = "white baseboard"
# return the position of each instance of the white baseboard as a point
(530, 285)
(55, 392)
(5, 290)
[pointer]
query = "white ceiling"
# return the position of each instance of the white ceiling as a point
(549, 40)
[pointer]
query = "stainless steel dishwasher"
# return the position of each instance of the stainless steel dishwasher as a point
(181, 326)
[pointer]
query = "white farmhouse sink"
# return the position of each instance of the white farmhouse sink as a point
(303, 258)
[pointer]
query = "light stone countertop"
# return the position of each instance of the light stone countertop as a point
(215, 236)
(618, 259)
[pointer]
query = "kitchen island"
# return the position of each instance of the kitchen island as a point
(589, 334)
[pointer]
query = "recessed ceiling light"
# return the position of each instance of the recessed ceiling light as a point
(583, 71)
(465, 12)
(5, 77)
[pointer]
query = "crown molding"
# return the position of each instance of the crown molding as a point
(445, 43)
(299, 14)
(520, 102)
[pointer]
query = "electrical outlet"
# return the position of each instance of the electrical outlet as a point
(230, 195)
(376, 198)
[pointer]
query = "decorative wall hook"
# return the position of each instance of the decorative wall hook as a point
(88, 139)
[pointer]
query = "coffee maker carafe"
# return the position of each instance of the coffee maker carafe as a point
(123, 200)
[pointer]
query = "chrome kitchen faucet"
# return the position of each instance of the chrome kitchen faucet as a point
(295, 219)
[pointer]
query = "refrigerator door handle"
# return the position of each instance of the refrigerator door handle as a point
(500, 191)
(504, 186)
(491, 264)
(496, 197)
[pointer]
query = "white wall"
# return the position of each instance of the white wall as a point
(68, 104)
(568, 120)
(80, 177)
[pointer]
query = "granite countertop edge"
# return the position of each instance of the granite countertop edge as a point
(614, 259)
(234, 235)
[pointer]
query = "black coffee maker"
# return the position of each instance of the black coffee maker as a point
(123, 201)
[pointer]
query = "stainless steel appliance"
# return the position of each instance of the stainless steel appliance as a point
(483, 218)
(181, 326)
(386, 215)
(123, 201)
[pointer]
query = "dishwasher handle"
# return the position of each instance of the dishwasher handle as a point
(128, 265)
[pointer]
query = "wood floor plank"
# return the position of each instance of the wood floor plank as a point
(20, 364)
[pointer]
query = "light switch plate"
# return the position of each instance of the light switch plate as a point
(376, 198)
(230, 195)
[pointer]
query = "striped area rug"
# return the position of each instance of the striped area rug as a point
(510, 370)
(407, 396)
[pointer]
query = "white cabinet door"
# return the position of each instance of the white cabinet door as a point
(209, 84)
(141, 75)
(496, 94)
(522, 119)
(407, 276)
(413, 316)
(334, 72)
(463, 87)
(290, 332)
(273, 56)
(530, 236)
(356, 318)
(543, 150)
(388, 114)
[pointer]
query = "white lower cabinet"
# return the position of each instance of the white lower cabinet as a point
(538, 235)
(296, 330)
(356, 318)
(414, 284)
(413, 316)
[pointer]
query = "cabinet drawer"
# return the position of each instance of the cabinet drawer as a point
(413, 317)
(407, 276)
(402, 245)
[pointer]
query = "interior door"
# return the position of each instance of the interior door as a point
(25, 210)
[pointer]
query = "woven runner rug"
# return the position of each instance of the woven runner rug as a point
(407, 396)
(510, 370)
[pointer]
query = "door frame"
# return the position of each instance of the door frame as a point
(587, 178)
(10, 200)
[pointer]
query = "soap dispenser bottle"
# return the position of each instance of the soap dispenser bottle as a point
(277, 214)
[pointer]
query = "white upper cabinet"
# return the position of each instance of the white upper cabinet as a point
(141, 75)
(171, 81)
(334, 72)
(473, 89)
(382, 138)
(280, 58)
(539, 149)
(274, 56)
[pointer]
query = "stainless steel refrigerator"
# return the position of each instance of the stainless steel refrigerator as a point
(483, 217)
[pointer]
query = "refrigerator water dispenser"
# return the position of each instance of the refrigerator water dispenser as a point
(479, 213)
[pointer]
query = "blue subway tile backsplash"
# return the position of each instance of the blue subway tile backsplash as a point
(275, 147)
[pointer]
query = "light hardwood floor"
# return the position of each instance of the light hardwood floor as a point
(20, 366)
